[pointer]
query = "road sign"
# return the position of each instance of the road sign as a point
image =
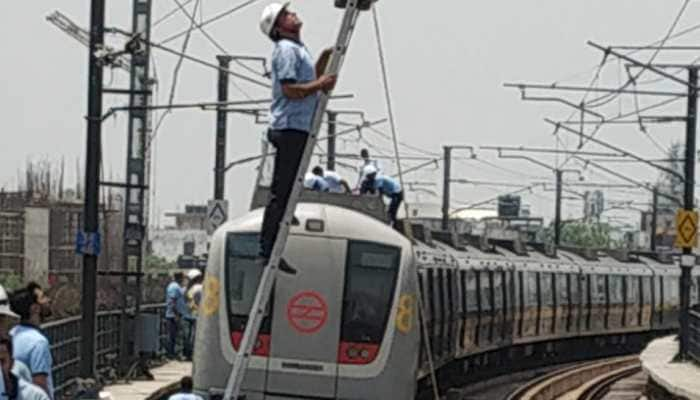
(686, 228)
(217, 214)
(88, 243)
(307, 312)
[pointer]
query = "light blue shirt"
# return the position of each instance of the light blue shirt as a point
(386, 185)
(291, 62)
(365, 163)
(317, 183)
(185, 396)
(175, 304)
(29, 391)
(31, 347)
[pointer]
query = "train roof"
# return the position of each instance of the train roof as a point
(336, 222)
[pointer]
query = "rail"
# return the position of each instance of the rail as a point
(65, 338)
(587, 381)
(694, 335)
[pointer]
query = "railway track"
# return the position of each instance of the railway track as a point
(618, 378)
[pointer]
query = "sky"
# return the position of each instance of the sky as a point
(447, 63)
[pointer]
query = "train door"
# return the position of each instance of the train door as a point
(632, 308)
(547, 314)
(563, 309)
(498, 285)
(486, 310)
(532, 304)
(471, 314)
(599, 300)
(574, 302)
(617, 301)
(518, 303)
(306, 320)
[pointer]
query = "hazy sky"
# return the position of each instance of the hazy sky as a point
(447, 60)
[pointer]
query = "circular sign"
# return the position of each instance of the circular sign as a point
(307, 312)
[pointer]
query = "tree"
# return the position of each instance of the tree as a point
(152, 262)
(582, 234)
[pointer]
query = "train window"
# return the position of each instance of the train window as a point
(615, 282)
(598, 289)
(497, 290)
(575, 296)
(632, 290)
(546, 286)
(463, 290)
(531, 287)
(562, 291)
(369, 289)
(485, 291)
(242, 276)
(646, 289)
(431, 294)
(671, 289)
(472, 304)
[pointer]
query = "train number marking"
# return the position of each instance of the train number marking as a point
(404, 316)
(307, 312)
(210, 304)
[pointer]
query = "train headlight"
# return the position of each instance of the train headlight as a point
(353, 352)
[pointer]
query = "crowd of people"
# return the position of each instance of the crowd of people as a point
(183, 296)
(371, 181)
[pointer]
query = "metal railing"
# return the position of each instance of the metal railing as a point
(694, 335)
(65, 338)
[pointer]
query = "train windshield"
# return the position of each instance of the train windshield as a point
(369, 289)
(243, 272)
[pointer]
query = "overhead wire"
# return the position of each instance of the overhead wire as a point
(176, 75)
(211, 20)
(168, 15)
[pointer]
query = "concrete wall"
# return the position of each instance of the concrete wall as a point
(36, 245)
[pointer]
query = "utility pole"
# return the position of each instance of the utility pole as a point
(331, 140)
(557, 213)
(654, 216)
(136, 181)
(221, 128)
(688, 258)
(446, 188)
(92, 185)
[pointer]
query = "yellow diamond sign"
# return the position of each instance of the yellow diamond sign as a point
(686, 228)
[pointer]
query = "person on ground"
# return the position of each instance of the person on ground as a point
(366, 161)
(386, 186)
(185, 392)
(31, 346)
(315, 181)
(12, 385)
(175, 311)
(296, 83)
(194, 299)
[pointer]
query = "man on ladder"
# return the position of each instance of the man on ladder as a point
(299, 103)
(296, 83)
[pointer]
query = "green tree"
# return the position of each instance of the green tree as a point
(581, 234)
(11, 281)
(152, 262)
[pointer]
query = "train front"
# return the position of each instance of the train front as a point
(343, 327)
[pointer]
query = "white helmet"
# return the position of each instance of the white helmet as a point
(269, 17)
(5, 304)
(369, 170)
(193, 273)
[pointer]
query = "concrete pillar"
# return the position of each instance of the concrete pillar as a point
(36, 245)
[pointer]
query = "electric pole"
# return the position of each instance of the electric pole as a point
(446, 187)
(557, 213)
(331, 140)
(654, 216)
(688, 258)
(221, 128)
(92, 184)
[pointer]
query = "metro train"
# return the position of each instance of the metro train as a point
(347, 326)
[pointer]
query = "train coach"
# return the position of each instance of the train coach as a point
(346, 325)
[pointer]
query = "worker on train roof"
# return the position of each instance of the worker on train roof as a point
(296, 83)
(386, 186)
(366, 161)
(315, 180)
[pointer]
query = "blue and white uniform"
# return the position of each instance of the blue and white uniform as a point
(32, 348)
(291, 63)
(315, 182)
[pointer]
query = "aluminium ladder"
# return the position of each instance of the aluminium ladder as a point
(269, 274)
